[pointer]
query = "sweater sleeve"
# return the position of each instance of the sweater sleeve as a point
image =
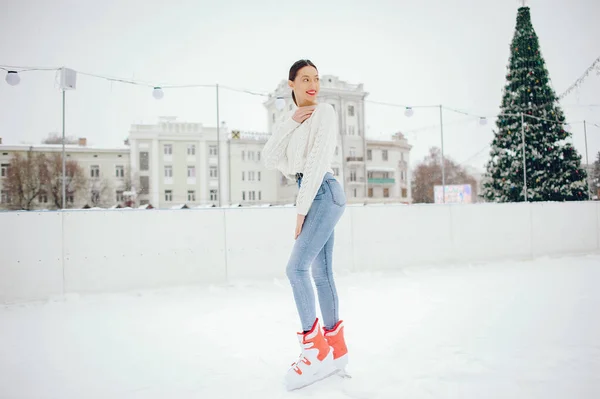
(319, 156)
(276, 146)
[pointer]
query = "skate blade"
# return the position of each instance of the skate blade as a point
(343, 374)
(318, 377)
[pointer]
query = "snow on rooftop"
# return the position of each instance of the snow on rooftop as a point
(498, 330)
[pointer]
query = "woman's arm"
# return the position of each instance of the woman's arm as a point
(319, 157)
(275, 147)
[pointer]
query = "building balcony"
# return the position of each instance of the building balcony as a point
(356, 180)
(377, 180)
(355, 159)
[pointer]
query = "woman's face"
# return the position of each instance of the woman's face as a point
(306, 86)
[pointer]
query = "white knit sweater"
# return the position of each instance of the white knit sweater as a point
(306, 148)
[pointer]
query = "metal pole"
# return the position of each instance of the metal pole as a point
(443, 168)
(218, 150)
(64, 189)
(524, 164)
(587, 162)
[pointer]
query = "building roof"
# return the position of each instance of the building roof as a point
(58, 148)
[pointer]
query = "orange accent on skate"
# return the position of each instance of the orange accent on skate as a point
(337, 341)
(318, 341)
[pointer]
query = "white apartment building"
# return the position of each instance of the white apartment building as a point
(104, 168)
(179, 163)
(361, 177)
(388, 178)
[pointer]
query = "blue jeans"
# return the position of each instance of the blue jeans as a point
(314, 246)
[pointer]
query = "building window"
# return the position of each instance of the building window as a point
(369, 155)
(402, 156)
(337, 150)
(258, 176)
(191, 195)
(191, 150)
(191, 171)
(252, 195)
(168, 149)
(144, 185)
(259, 196)
(258, 156)
(251, 155)
(404, 193)
(370, 193)
(213, 172)
(212, 150)
(70, 198)
(243, 196)
(95, 198)
(351, 130)
(4, 170)
(5, 197)
(353, 176)
(273, 117)
(144, 160)
(43, 197)
(243, 155)
(119, 171)
(95, 171)
(243, 176)
(120, 196)
(336, 171)
(168, 195)
(350, 110)
(352, 152)
(386, 192)
(355, 194)
(168, 171)
(213, 195)
(384, 155)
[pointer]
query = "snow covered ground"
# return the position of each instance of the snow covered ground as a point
(526, 329)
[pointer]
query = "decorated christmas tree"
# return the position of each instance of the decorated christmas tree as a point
(553, 167)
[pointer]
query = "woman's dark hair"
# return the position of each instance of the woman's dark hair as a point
(298, 65)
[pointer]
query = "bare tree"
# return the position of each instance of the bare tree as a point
(428, 174)
(74, 183)
(55, 138)
(26, 179)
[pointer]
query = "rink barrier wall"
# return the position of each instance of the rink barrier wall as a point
(52, 253)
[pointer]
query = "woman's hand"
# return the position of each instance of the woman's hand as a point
(303, 113)
(299, 223)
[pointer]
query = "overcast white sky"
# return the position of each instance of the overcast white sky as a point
(453, 52)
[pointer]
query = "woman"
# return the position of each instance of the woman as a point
(303, 149)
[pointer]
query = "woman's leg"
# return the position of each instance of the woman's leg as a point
(313, 237)
(323, 276)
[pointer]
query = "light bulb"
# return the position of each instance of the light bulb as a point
(158, 93)
(13, 78)
(279, 103)
(409, 112)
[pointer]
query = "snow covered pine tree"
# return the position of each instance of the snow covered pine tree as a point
(553, 166)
